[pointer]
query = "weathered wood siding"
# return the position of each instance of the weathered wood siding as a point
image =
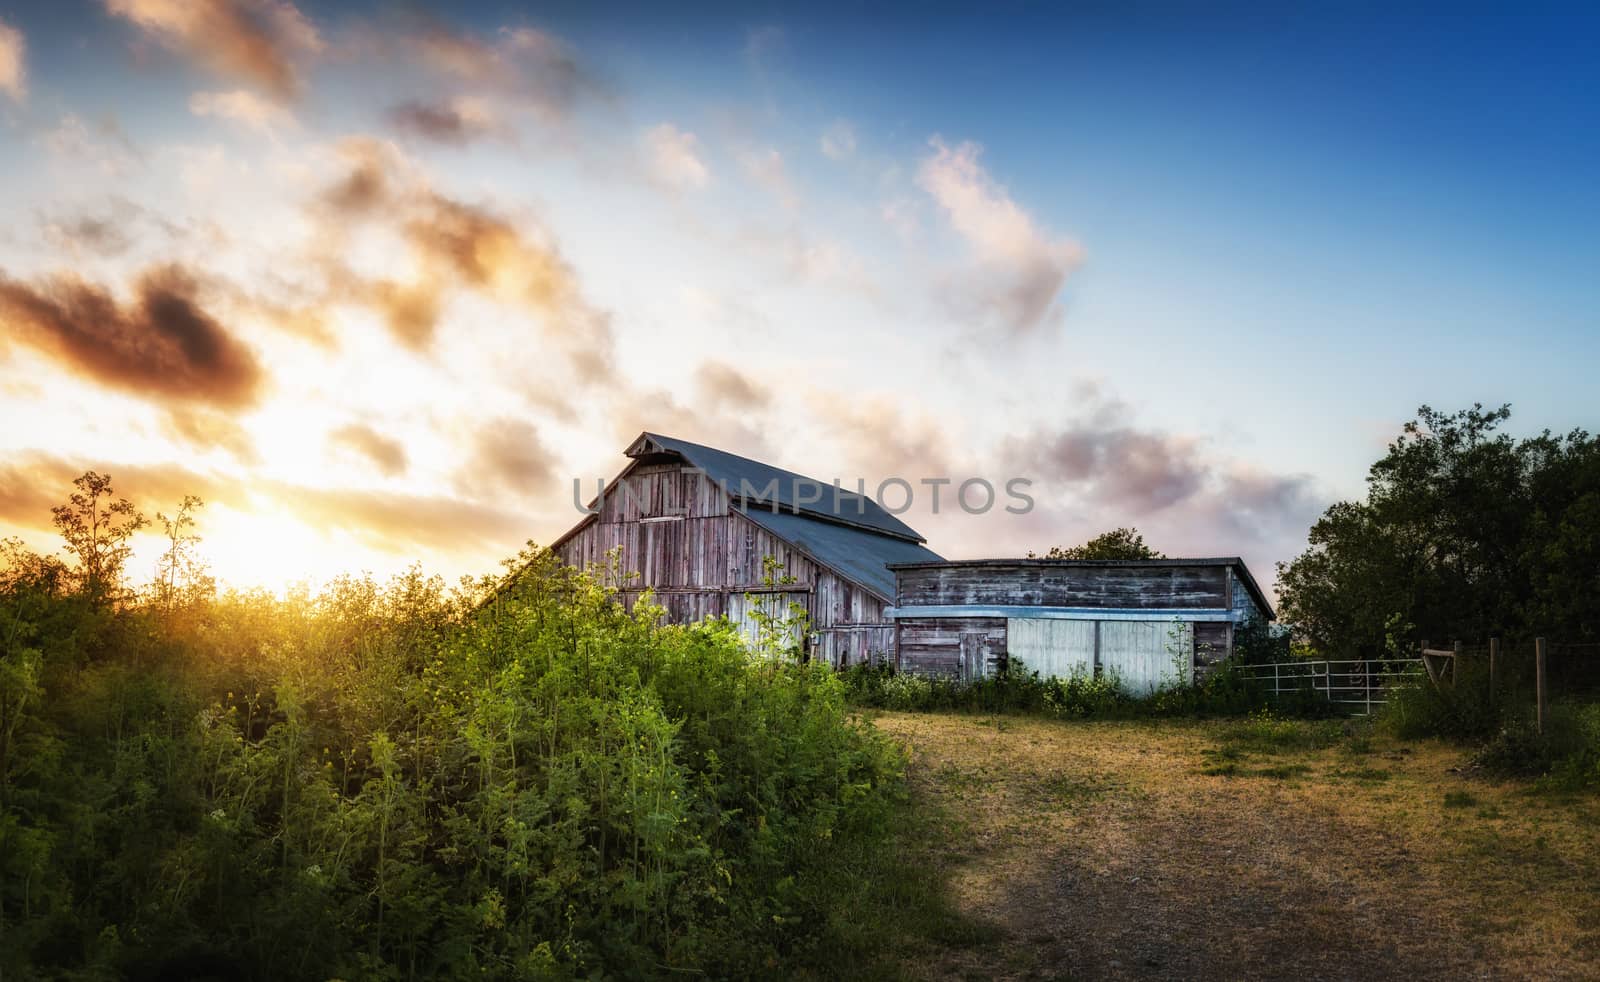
(1066, 586)
(679, 537)
(1213, 644)
(932, 645)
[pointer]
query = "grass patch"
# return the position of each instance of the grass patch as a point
(889, 904)
(1266, 732)
(1276, 772)
(1373, 774)
(1459, 799)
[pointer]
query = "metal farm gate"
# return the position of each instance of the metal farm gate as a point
(1356, 686)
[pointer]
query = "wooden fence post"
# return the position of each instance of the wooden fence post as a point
(1455, 665)
(1494, 670)
(1538, 683)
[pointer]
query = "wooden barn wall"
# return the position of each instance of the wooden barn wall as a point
(678, 535)
(1066, 586)
(932, 645)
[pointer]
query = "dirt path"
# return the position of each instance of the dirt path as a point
(1105, 850)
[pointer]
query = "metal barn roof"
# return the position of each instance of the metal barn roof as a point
(853, 553)
(749, 480)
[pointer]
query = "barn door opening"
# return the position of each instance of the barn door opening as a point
(974, 655)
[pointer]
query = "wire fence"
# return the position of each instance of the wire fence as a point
(1508, 669)
(1571, 669)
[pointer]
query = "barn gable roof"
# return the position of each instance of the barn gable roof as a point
(859, 543)
(763, 486)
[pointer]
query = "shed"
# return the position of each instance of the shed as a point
(1144, 621)
(694, 525)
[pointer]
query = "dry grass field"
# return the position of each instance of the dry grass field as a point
(1244, 849)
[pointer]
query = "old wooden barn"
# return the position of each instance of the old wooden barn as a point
(694, 524)
(1142, 620)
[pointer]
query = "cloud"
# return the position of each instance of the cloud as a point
(13, 63)
(102, 144)
(207, 430)
(454, 124)
(367, 183)
(386, 453)
(411, 310)
(1019, 269)
(534, 69)
(1101, 470)
(766, 168)
(400, 523)
(256, 41)
(163, 345)
(242, 106)
(1141, 470)
(879, 436)
(33, 482)
(726, 387)
(838, 140)
(508, 456)
(105, 233)
(672, 158)
(458, 246)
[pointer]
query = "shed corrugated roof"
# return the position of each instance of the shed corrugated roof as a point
(854, 553)
(1233, 561)
(744, 479)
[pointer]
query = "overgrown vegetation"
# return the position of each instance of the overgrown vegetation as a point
(398, 781)
(1079, 696)
(1566, 756)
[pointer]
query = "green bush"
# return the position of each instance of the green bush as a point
(1019, 690)
(1464, 711)
(1565, 756)
(386, 782)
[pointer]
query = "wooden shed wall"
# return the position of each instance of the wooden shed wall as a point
(933, 645)
(679, 536)
(1066, 586)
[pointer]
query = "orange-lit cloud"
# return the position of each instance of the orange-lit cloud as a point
(508, 456)
(204, 430)
(13, 63)
(727, 387)
(244, 107)
(258, 41)
(523, 65)
(458, 246)
(455, 123)
(163, 345)
(385, 453)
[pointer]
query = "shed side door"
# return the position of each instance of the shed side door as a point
(1051, 646)
(1146, 654)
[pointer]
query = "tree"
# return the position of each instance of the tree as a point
(1464, 533)
(180, 570)
(1120, 543)
(98, 526)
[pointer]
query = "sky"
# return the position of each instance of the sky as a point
(379, 282)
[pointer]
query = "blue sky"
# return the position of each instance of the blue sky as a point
(1187, 269)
